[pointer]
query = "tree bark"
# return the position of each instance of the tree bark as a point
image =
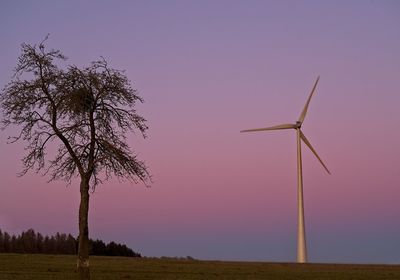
(83, 246)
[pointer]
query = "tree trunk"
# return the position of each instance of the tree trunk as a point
(83, 246)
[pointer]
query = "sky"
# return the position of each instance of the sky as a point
(206, 70)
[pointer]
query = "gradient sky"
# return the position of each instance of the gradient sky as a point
(208, 69)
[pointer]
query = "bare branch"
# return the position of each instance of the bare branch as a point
(89, 110)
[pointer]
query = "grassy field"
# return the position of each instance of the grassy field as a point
(43, 267)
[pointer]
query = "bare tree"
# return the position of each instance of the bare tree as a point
(86, 112)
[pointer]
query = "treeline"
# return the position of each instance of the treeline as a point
(31, 242)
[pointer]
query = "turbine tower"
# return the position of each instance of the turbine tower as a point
(301, 233)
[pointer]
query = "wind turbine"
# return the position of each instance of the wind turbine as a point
(301, 234)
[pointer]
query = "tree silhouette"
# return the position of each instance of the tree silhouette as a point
(2, 248)
(29, 242)
(87, 111)
(6, 242)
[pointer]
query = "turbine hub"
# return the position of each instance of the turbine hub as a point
(298, 124)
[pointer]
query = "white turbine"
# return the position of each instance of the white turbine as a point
(301, 234)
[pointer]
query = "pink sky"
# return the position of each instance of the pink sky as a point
(206, 71)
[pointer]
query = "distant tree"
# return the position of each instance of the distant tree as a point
(7, 242)
(88, 111)
(2, 249)
(46, 245)
(97, 248)
(59, 245)
(14, 244)
(28, 241)
(71, 245)
(39, 243)
(112, 249)
(62, 243)
(52, 245)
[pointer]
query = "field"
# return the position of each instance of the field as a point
(18, 267)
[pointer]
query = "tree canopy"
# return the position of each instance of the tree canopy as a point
(90, 110)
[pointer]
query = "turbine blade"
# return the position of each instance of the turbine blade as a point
(303, 137)
(304, 112)
(276, 127)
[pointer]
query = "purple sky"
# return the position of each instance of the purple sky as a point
(208, 69)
